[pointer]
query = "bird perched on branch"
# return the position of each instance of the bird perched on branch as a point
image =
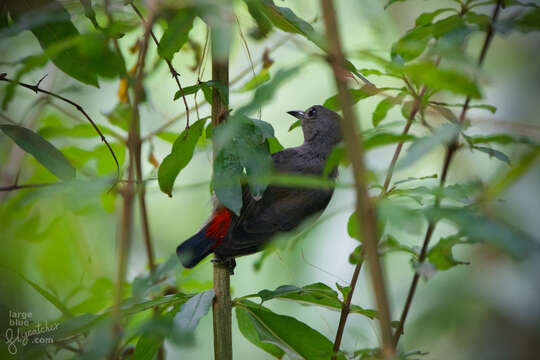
(281, 208)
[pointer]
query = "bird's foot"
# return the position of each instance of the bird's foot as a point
(228, 263)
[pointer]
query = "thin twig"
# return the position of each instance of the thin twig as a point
(172, 70)
(37, 89)
(365, 212)
(233, 81)
(450, 151)
(28, 186)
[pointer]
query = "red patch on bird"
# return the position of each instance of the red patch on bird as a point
(218, 226)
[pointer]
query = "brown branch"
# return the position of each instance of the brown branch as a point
(15, 187)
(133, 143)
(221, 305)
(450, 151)
(37, 89)
(365, 212)
(172, 70)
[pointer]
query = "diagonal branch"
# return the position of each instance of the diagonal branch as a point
(172, 70)
(365, 211)
(450, 151)
(37, 89)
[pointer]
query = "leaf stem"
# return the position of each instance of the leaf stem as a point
(365, 211)
(450, 151)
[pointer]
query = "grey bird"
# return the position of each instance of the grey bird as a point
(281, 208)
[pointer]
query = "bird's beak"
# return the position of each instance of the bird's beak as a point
(296, 113)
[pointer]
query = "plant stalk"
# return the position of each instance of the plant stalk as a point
(365, 210)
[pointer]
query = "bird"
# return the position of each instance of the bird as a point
(280, 208)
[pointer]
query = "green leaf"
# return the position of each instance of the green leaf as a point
(391, 244)
(180, 156)
(503, 139)
(43, 292)
(442, 79)
(390, 2)
(295, 338)
(264, 25)
(226, 180)
(55, 26)
(381, 110)
(479, 229)
(495, 153)
(206, 87)
(274, 145)
(193, 310)
(120, 115)
(176, 34)
(42, 150)
(353, 228)
(295, 125)
(441, 255)
(382, 139)
(77, 131)
(336, 157)
(443, 135)
(285, 19)
(365, 91)
(89, 12)
(317, 294)
(249, 330)
(257, 80)
(266, 92)
(530, 21)
(412, 45)
(427, 17)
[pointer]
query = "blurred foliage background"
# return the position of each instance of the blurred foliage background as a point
(62, 238)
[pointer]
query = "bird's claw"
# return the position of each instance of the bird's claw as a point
(228, 263)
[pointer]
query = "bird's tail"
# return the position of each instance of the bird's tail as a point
(194, 249)
(200, 245)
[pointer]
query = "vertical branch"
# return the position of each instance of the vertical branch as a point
(365, 211)
(221, 306)
(133, 143)
(450, 152)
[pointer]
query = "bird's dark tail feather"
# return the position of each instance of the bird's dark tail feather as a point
(194, 249)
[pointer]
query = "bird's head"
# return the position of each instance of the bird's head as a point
(319, 124)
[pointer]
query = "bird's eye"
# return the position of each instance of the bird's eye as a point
(312, 112)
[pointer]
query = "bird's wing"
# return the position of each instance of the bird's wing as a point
(281, 208)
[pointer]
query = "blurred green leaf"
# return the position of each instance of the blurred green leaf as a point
(120, 115)
(530, 21)
(421, 147)
(442, 79)
(262, 77)
(78, 131)
(42, 150)
(264, 25)
(46, 294)
(264, 93)
(382, 109)
(206, 87)
(295, 125)
(274, 145)
(89, 12)
(479, 229)
(390, 2)
(493, 153)
(441, 255)
(54, 26)
(337, 156)
(411, 45)
(176, 34)
(180, 155)
(391, 244)
(427, 17)
(382, 139)
(295, 338)
(193, 310)
(503, 139)
(365, 91)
